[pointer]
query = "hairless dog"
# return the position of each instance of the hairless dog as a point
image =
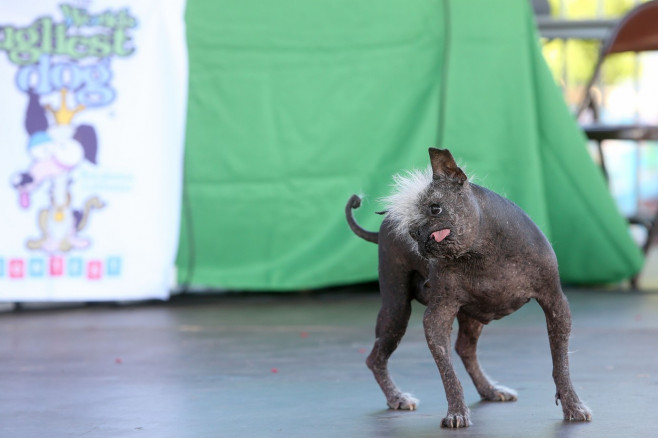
(467, 253)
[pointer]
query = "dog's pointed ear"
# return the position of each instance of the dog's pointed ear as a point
(444, 166)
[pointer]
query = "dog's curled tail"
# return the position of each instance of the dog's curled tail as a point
(353, 203)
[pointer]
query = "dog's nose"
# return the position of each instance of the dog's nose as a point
(415, 233)
(21, 180)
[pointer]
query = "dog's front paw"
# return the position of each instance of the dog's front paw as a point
(500, 393)
(577, 412)
(456, 419)
(403, 402)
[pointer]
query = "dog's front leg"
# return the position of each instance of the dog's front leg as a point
(437, 323)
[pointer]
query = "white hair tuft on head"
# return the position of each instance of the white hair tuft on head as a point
(402, 205)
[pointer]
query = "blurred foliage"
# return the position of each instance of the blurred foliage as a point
(572, 61)
(588, 9)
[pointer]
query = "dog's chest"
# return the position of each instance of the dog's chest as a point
(487, 291)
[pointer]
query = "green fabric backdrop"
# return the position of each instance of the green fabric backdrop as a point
(294, 106)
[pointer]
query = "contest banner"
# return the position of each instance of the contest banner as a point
(93, 103)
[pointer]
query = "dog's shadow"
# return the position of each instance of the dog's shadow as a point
(566, 429)
(390, 423)
(490, 419)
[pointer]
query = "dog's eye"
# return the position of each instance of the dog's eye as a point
(435, 210)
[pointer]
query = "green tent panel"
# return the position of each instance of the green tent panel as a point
(294, 106)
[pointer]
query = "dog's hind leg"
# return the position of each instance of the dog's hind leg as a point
(466, 347)
(558, 321)
(391, 325)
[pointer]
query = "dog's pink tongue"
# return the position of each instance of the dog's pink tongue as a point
(440, 235)
(24, 199)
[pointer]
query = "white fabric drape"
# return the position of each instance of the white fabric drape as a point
(92, 116)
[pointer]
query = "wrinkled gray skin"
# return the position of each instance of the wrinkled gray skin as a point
(494, 260)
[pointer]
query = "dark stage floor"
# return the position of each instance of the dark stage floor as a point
(293, 366)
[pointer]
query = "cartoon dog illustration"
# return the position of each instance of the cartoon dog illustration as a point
(56, 149)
